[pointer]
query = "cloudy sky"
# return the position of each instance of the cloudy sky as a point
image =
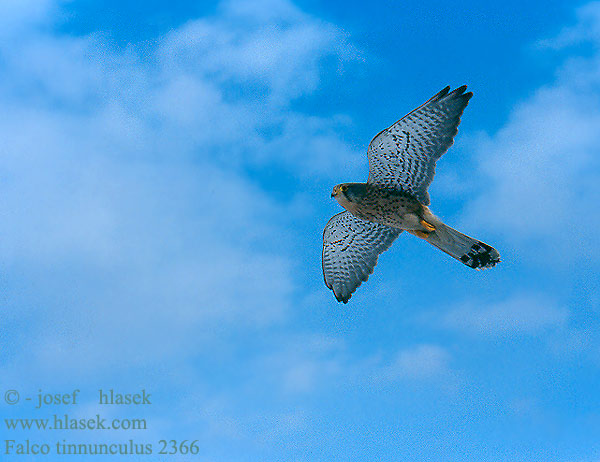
(165, 172)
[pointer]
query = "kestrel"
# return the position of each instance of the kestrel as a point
(401, 167)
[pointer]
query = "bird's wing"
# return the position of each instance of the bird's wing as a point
(351, 247)
(404, 155)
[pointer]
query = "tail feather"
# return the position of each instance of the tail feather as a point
(467, 250)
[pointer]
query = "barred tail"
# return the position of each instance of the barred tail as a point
(469, 251)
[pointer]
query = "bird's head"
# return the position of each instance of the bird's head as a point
(339, 189)
(346, 193)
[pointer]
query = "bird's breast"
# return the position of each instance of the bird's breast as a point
(388, 207)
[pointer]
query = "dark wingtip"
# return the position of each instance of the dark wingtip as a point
(443, 92)
(456, 93)
(460, 89)
(342, 299)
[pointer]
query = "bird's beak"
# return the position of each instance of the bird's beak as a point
(332, 194)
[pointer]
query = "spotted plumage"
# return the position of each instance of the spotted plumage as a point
(347, 238)
(401, 167)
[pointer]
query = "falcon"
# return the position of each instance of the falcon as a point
(394, 199)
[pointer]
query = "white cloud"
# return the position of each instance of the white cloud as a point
(543, 166)
(125, 210)
(259, 57)
(316, 365)
(516, 315)
(17, 17)
(587, 28)
(419, 362)
(304, 364)
(269, 43)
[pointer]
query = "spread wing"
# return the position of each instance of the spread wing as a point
(351, 247)
(404, 155)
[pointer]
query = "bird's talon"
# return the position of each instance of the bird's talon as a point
(428, 227)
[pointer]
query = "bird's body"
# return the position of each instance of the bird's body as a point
(383, 205)
(395, 198)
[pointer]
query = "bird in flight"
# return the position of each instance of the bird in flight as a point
(401, 167)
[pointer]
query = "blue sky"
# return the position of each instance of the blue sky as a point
(165, 174)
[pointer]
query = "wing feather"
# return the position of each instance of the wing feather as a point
(351, 247)
(403, 156)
